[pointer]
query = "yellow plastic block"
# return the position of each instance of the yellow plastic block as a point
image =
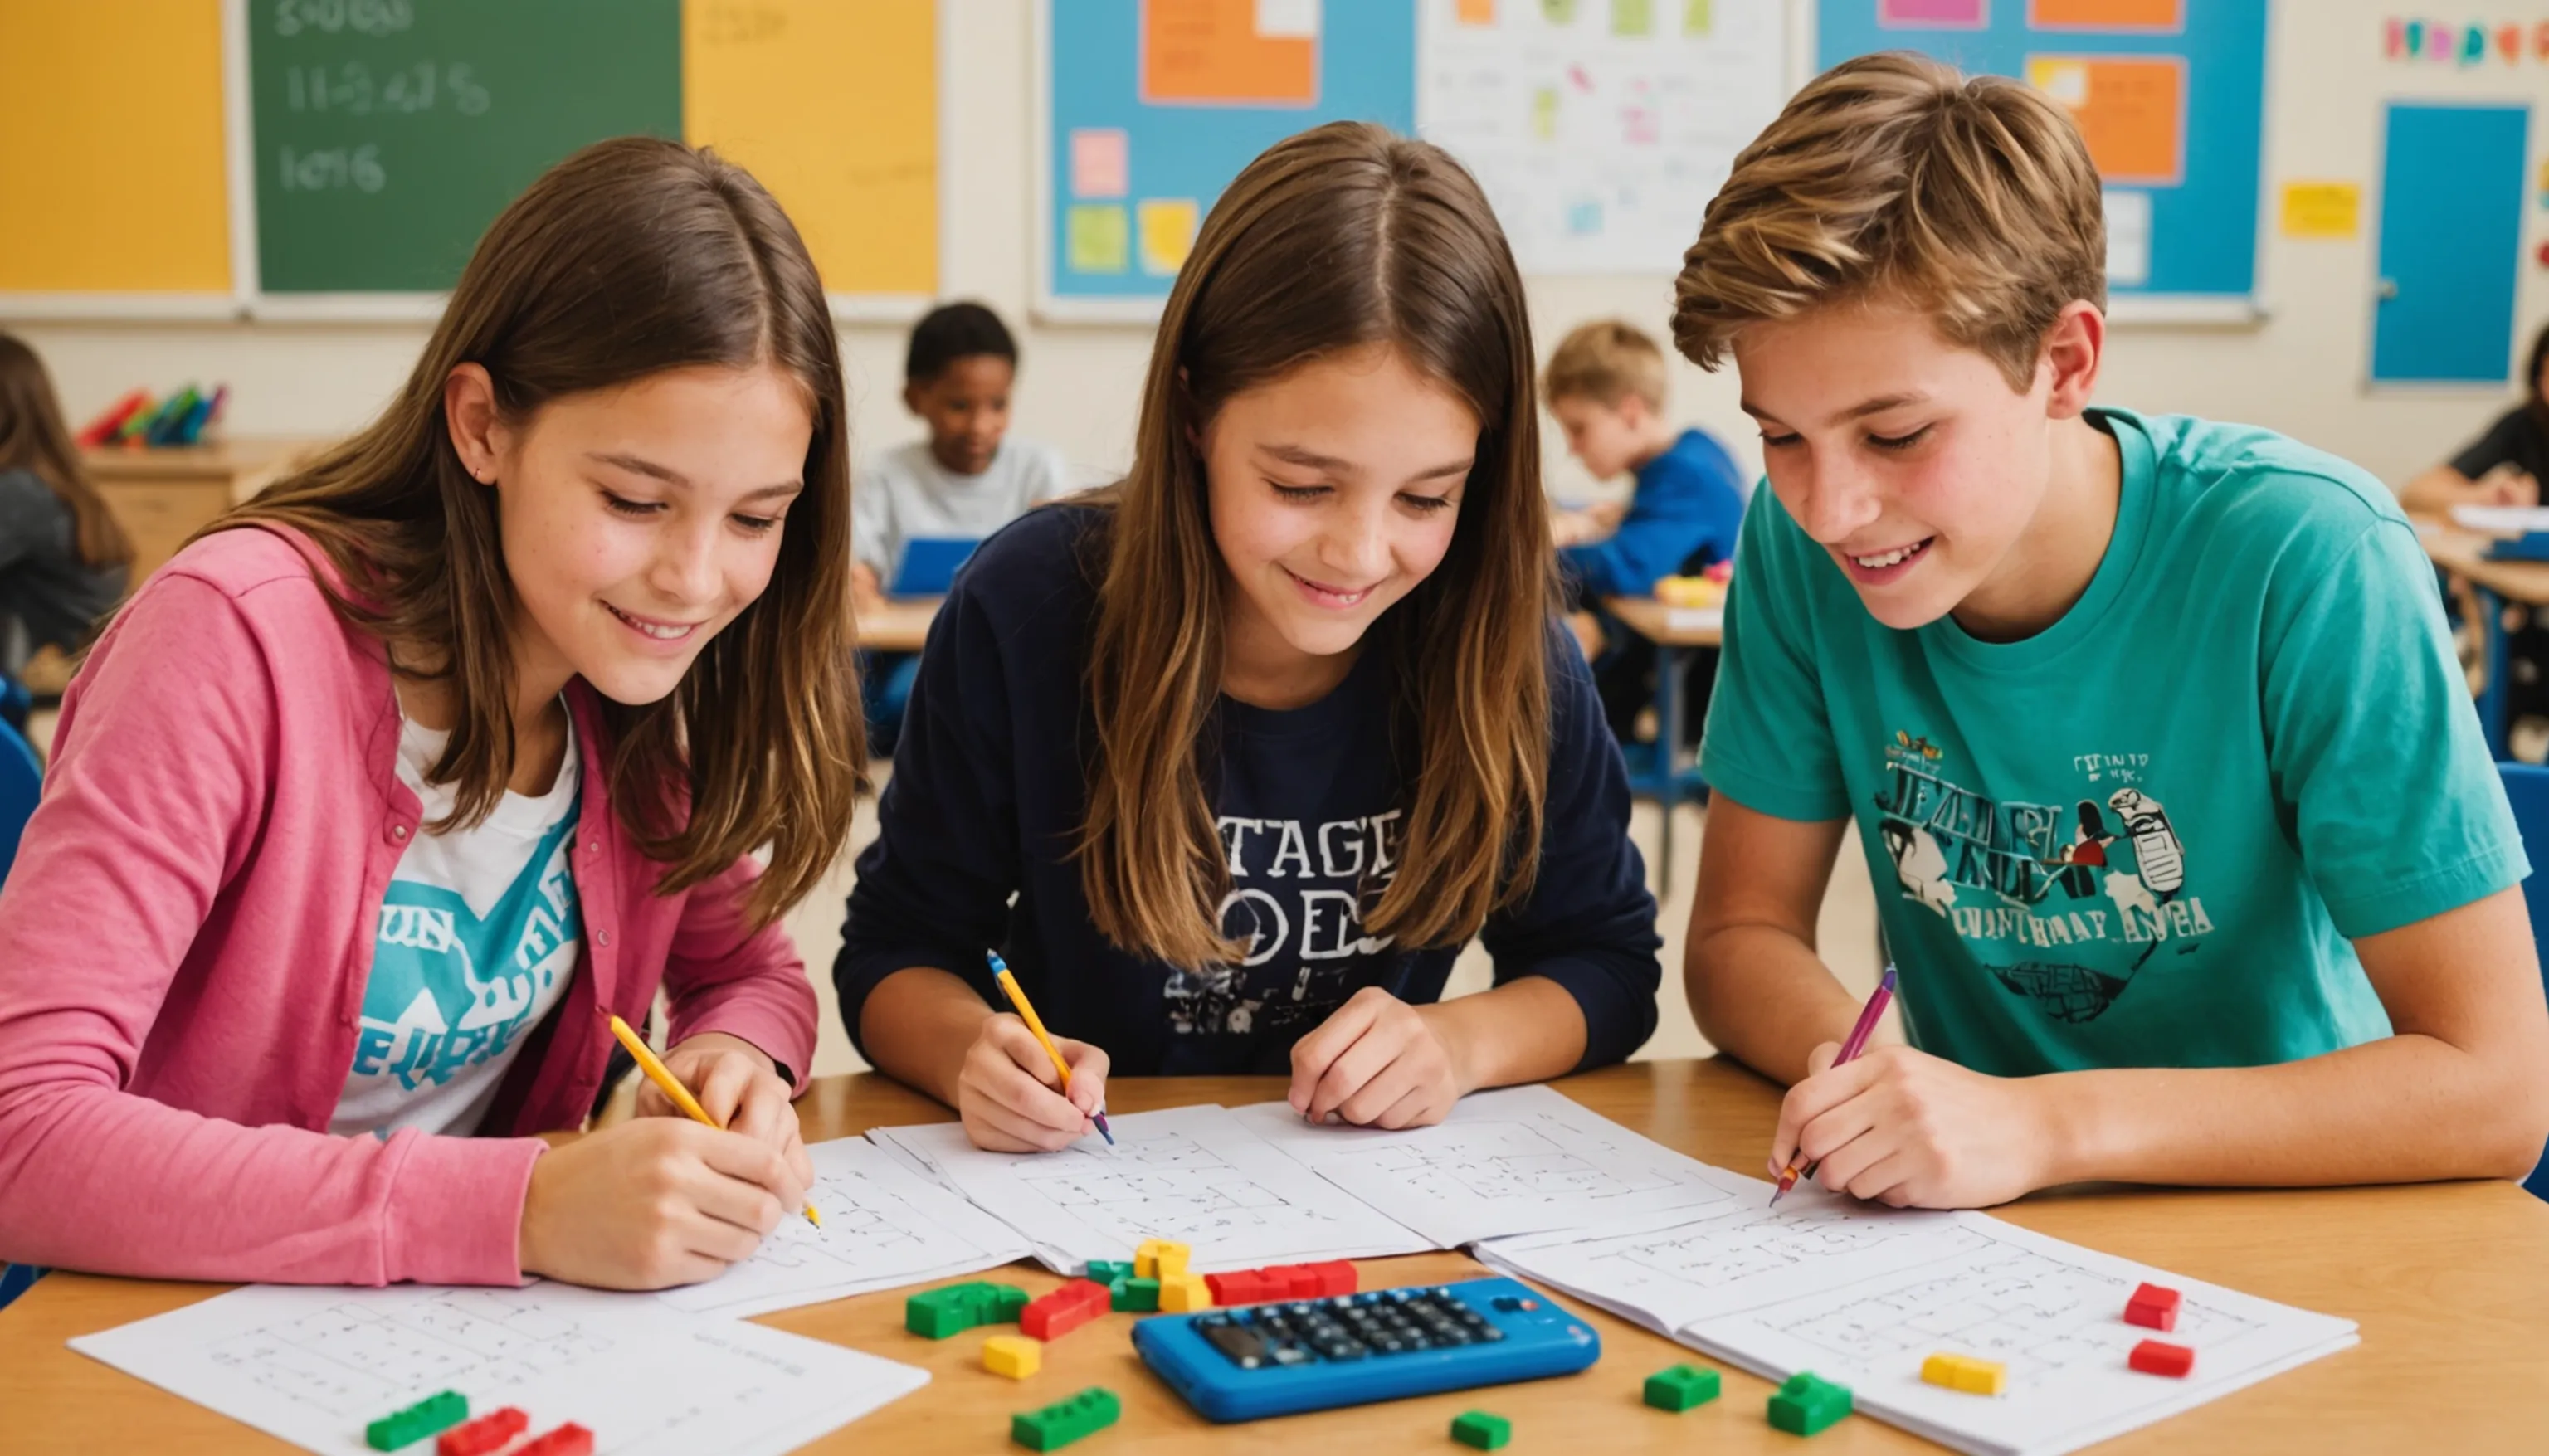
(1158, 1258)
(1184, 1294)
(1965, 1373)
(1012, 1356)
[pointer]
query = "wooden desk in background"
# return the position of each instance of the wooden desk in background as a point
(2463, 553)
(2450, 1283)
(1674, 631)
(161, 497)
(899, 625)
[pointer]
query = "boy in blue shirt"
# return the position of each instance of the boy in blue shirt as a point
(2184, 836)
(1605, 387)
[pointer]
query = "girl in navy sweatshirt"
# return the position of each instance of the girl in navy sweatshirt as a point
(1230, 758)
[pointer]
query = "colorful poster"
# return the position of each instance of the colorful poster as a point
(1230, 53)
(1599, 133)
(2131, 111)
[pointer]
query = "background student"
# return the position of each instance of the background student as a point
(1605, 387)
(966, 479)
(2505, 465)
(386, 790)
(1230, 761)
(2185, 838)
(62, 557)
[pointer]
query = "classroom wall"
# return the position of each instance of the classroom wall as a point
(2302, 371)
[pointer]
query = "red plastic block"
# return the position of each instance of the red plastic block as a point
(2152, 1307)
(2160, 1357)
(484, 1434)
(569, 1439)
(1065, 1310)
(1241, 1287)
(1336, 1276)
(1290, 1282)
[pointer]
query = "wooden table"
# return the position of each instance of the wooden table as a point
(2463, 553)
(2450, 1283)
(1674, 631)
(900, 626)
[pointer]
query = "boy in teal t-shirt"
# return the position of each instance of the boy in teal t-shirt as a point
(2184, 839)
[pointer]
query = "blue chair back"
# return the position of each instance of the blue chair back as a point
(22, 779)
(2527, 787)
(15, 1279)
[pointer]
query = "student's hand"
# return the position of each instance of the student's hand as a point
(653, 1203)
(1587, 629)
(867, 593)
(1606, 515)
(2508, 484)
(1903, 1128)
(1572, 528)
(1011, 1098)
(736, 1083)
(1376, 1063)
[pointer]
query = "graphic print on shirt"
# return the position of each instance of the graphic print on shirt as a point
(2062, 905)
(451, 988)
(1296, 901)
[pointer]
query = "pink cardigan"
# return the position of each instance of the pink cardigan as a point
(185, 940)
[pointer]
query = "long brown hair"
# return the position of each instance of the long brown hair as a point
(1339, 237)
(631, 257)
(33, 438)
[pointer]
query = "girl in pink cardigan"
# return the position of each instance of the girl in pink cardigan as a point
(381, 798)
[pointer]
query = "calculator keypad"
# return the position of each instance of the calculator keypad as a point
(1381, 1323)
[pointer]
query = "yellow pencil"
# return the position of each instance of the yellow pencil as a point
(1035, 1024)
(662, 1076)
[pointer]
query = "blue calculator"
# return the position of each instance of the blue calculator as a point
(1293, 1355)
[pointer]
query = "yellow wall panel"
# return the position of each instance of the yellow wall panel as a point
(834, 104)
(112, 171)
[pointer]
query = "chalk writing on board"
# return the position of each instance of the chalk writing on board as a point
(333, 169)
(336, 17)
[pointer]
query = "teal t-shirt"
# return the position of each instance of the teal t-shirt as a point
(2143, 836)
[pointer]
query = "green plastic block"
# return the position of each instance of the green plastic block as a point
(1064, 1421)
(1104, 1271)
(1682, 1387)
(940, 1313)
(1479, 1428)
(429, 1416)
(1139, 1296)
(1007, 1302)
(1808, 1404)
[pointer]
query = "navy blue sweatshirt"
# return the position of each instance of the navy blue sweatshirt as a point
(988, 793)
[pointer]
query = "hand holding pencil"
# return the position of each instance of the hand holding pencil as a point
(1023, 1090)
(730, 1084)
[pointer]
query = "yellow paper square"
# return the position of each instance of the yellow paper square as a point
(1167, 232)
(1098, 239)
(2066, 81)
(2322, 209)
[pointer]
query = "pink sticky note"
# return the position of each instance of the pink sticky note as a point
(1100, 164)
(1965, 14)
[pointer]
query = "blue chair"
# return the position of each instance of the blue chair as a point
(2529, 788)
(22, 779)
(15, 702)
(15, 1280)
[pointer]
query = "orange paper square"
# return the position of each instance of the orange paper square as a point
(1209, 52)
(2131, 111)
(2107, 15)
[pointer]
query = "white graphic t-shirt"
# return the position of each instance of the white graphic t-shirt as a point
(478, 936)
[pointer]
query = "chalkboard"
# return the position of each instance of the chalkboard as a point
(2171, 97)
(389, 132)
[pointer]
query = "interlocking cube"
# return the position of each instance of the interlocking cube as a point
(2153, 1306)
(2160, 1357)
(1064, 1421)
(1808, 1404)
(1161, 1259)
(1007, 1303)
(1965, 1373)
(1058, 1314)
(1479, 1428)
(1101, 1271)
(1136, 1295)
(1185, 1293)
(1012, 1356)
(1241, 1287)
(486, 1433)
(569, 1439)
(436, 1412)
(1336, 1276)
(1682, 1387)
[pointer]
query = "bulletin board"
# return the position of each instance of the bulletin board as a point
(2170, 95)
(341, 158)
(1145, 108)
